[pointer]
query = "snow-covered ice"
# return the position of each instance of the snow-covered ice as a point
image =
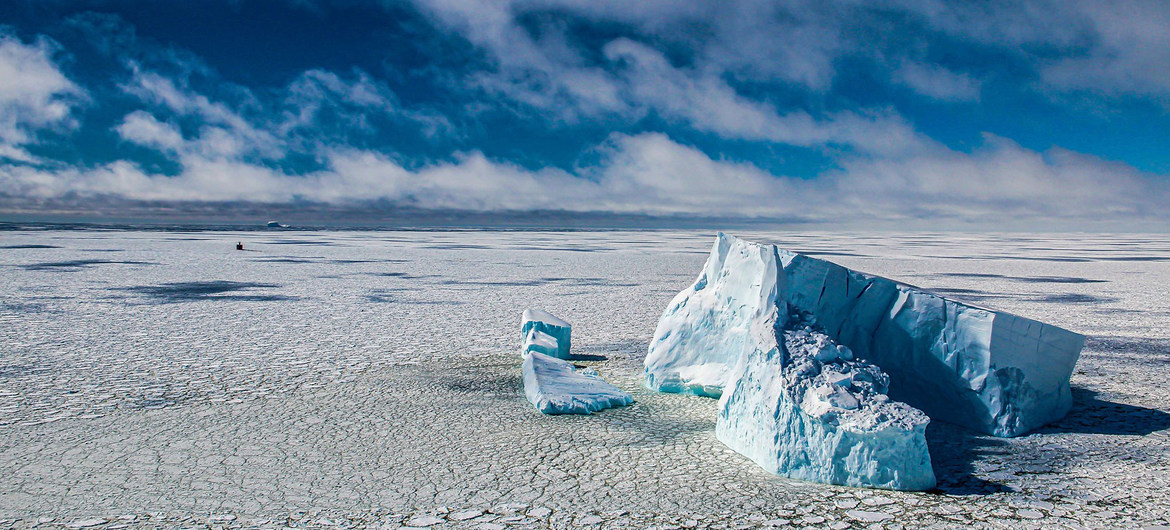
(365, 378)
(545, 322)
(554, 387)
(802, 408)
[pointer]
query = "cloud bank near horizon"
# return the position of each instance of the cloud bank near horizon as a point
(694, 109)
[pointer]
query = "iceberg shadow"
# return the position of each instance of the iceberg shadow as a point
(953, 453)
(1092, 415)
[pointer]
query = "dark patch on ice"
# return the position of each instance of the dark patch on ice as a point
(966, 295)
(281, 260)
(1057, 279)
(24, 307)
(459, 247)
(394, 274)
(1074, 298)
(102, 249)
(355, 261)
(953, 453)
(1092, 415)
(1113, 345)
(29, 246)
(1026, 279)
(298, 242)
(78, 264)
(1136, 258)
(482, 382)
(19, 370)
(211, 290)
(381, 298)
(587, 357)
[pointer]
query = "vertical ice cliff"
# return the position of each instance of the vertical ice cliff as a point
(792, 399)
(987, 370)
(805, 409)
(706, 328)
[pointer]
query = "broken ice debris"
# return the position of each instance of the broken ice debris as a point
(545, 322)
(540, 342)
(987, 370)
(554, 387)
(800, 408)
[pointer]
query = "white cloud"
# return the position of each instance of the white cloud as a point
(937, 82)
(650, 173)
(34, 94)
(352, 100)
(142, 128)
(224, 133)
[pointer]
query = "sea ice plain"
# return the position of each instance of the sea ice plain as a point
(371, 378)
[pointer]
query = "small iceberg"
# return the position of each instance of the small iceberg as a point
(555, 387)
(544, 322)
(274, 224)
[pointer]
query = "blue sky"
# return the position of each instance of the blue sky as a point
(839, 113)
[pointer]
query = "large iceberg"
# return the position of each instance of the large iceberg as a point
(555, 387)
(987, 370)
(792, 399)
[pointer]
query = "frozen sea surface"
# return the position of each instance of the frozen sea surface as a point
(164, 378)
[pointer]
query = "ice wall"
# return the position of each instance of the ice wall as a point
(987, 370)
(705, 328)
(545, 322)
(795, 402)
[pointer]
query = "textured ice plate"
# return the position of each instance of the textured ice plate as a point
(554, 387)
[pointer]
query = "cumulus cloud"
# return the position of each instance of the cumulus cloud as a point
(34, 94)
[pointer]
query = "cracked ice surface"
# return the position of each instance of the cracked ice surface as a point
(554, 387)
(371, 378)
